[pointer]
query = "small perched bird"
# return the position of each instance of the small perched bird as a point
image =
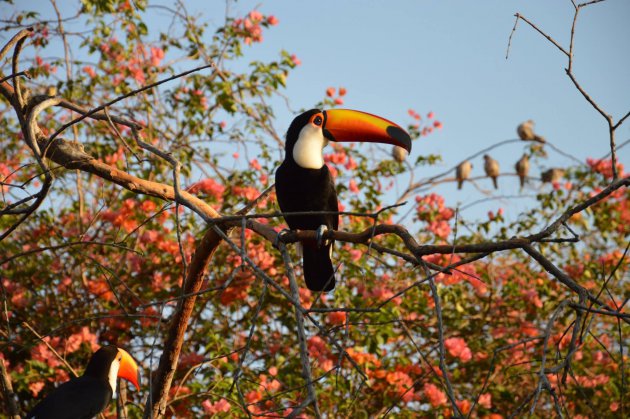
(399, 154)
(86, 396)
(552, 175)
(522, 169)
(491, 166)
(526, 132)
(304, 183)
(462, 172)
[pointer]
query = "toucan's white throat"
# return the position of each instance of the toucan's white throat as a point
(307, 151)
(113, 373)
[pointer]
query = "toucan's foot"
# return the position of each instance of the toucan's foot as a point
(321, 230)
(276, 242)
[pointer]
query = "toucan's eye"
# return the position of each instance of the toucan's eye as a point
(318, 120)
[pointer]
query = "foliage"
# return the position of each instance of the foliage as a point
(97, 263)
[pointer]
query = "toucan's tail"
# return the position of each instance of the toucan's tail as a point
(319, 273)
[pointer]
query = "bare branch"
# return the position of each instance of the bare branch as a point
(549, 38)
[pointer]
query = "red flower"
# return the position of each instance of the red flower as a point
(90, 71)
(339, 101)
(296, 60)
(353, 186)
(342, 91)
(330, 92)
(457, 347)
(337, 317)
(255, 165)
(435, 395)
(213, 408)
(255, 16)
(156, 56)
(272, 20)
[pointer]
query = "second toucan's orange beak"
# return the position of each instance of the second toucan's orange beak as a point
(128, 369)
(349, 125)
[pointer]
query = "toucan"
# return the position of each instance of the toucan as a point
(304, 183)
(88, 395)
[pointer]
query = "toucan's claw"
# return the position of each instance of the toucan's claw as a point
(321, 230)
(276, 242)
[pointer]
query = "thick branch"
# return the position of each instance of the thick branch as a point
(158, 397)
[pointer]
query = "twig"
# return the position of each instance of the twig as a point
(549, 38)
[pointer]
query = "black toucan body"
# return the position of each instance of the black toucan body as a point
(86, 396)
(304, 183)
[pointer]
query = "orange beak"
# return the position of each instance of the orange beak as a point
(129, 369)
(349, 125)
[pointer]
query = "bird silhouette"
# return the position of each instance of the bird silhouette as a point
(526, 132)
(522, 169)
(462, 172)
(491, 167)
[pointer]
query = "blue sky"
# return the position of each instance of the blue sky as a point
(449, 57)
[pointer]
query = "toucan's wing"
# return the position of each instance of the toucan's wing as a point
(333, 203)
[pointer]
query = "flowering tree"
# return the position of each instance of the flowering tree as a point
(137, 209)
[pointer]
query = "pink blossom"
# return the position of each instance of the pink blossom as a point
(430, 115)
(351, 164)
(208, 186)
(353, 186)
(604, 167)
(296, 61)
(157, 54)
(440, 228)
(36, 387)
(272, 20)
(255, 16)
(90, 71)
(330, 92)
(255, 165)
(485, 400)
(355, 254)
(457, 347)
(213, 408)
(337, 317)
(435, 395)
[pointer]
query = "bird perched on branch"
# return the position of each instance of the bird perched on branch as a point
(552, 175)
(399, 154)
(526, 132)
(491, 167)
(88, 395)
(522, 169)
(304, 183)
(462, 172)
